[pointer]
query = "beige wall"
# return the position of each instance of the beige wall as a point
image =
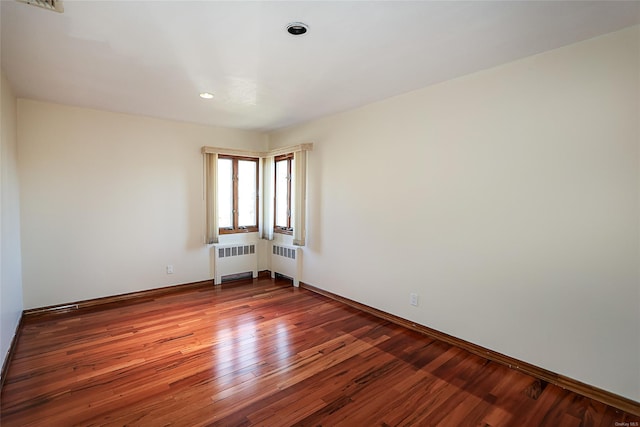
(108, 200)
(10, 258)
(507, 199)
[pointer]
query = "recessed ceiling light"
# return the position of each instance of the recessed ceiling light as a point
(206, 95)
(297, 28)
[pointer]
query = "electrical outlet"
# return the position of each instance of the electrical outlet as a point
(413, 299)
(169, 269)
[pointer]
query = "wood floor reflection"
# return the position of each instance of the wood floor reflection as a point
(265, 353)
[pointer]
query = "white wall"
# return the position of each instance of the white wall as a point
(108, 200)
(507, 199)
(10, 259)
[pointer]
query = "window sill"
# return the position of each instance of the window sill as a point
(237, 230)
(283, 231)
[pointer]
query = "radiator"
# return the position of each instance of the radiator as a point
(286, 260)
(234, 258)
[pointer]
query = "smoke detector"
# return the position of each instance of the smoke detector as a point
(54, 5)
(297, 28)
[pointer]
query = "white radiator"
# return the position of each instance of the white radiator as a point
(235, 258)
(286, 260)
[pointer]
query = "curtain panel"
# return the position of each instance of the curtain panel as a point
(211, 196)
(300, 197)
(268, 208)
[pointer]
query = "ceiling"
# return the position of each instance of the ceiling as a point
(154, 57)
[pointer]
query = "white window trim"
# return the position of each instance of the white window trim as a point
(259, 154)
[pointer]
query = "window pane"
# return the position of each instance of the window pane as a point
(247, 178)
(225, 193)
(282, 184)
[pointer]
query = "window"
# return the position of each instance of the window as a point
(282, 216)
(232, 180)
(237, 194)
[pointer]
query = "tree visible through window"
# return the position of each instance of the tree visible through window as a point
(282, 217)
(237, 194)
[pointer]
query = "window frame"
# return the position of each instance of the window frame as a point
(288, 230)
(235, 229)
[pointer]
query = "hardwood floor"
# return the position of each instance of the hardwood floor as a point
(265, 353)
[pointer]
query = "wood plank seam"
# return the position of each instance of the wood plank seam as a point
(541, 374)
(12, 349)
(586, 390)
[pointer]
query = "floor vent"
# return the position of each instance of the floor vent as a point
(239, 276)
(54, 5)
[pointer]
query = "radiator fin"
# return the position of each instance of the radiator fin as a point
(236, 251)
(284, 252)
